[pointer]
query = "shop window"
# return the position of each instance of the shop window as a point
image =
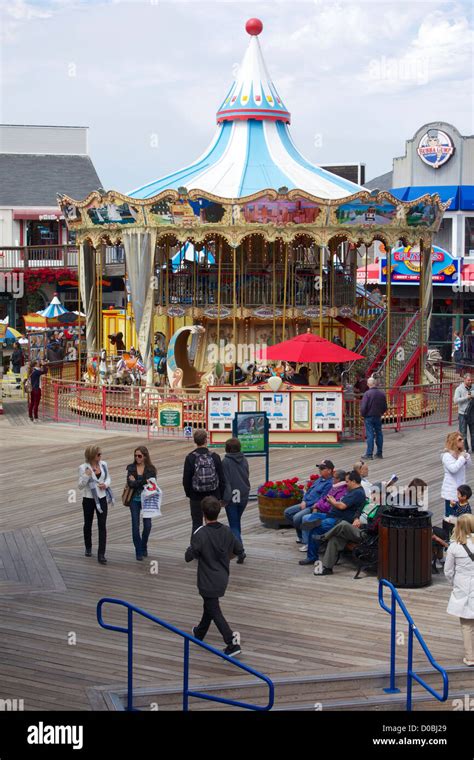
(444, 236)
(469, 236)
(42, 232)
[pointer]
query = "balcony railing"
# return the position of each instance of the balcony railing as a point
(254, 287)
(60, 256)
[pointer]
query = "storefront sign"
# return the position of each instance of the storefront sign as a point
(405, 265)
(170, 414)
(435, 148)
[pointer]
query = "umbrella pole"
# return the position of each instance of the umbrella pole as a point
(219, 270)
(285, 252)
(274, 294)
(389, 316)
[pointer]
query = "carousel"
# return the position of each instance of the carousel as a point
(248, 246)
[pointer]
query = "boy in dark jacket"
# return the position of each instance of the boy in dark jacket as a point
(213, 545)
(202, 476)
(237, 489)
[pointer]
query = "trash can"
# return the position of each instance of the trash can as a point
(405, 547)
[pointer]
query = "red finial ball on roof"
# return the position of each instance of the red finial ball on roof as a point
(253, 26)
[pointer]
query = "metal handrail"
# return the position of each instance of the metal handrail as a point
(412, 630)
(187, 692)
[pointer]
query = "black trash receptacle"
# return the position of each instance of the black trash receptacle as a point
(405, 547)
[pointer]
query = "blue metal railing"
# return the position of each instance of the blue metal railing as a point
(412, 630)
(187, 692)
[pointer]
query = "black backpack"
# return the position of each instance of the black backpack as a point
(205, 478)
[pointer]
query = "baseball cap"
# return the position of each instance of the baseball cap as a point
(326, 463)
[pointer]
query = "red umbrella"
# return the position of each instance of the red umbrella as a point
(309, 348)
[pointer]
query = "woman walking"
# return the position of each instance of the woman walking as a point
(138, 473)
(455, 462)
(94, 480)
(459, 570)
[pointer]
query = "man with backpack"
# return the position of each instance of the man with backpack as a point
(203, 476)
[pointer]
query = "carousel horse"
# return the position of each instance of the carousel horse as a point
(103, 371)
(178, 359)
(92, 370)
(129, 369)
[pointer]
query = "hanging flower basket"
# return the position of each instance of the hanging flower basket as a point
(276, 496)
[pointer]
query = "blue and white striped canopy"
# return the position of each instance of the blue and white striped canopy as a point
(54, 309)
(252, 149)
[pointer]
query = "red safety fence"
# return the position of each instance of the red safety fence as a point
(163, 412)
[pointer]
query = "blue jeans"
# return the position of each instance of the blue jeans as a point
(306, 526)
(295, 515)
(140, 542)
(234, 511)
(313, 543)
(373, 429)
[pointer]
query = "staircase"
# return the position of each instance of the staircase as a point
(404, 353)
(334, 691)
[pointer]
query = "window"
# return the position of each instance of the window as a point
(444, 236)
(469, 236)
(42, 232)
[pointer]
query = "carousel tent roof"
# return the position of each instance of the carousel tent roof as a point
(252, 149)
(54, 309)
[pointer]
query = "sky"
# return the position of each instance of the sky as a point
(147, 76)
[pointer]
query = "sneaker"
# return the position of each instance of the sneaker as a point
(299, 540)
(101, 559)
(145, 553)
(306, 561)
(31, 418)
(324, 571)
(366, 456)
(193, 631)
(303, 548)
(379, 456)
(240, 558)
(88, 553)
(232, 650)
(469, 663)
(139, 558)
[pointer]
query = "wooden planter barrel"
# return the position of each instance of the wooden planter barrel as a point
(272, 511)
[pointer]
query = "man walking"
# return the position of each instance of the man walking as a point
(213, 545)
(462, 397)
(372, 407)
(203, 476)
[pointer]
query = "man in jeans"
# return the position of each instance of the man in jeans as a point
(348, 508)
(462, 397)
(372, 407)
(320, 488)
(194, 490)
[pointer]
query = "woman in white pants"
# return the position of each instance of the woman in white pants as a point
(459, 570)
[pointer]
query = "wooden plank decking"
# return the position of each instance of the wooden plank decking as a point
(52, 651)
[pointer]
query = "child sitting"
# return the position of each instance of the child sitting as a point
(442, 536)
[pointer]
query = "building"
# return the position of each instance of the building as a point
(437, 159)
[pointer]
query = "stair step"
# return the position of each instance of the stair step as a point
(352, 691)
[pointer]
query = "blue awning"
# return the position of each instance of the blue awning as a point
(461, 196)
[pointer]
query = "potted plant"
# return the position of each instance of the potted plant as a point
(274, 497)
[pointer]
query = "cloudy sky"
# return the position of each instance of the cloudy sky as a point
(147, 76)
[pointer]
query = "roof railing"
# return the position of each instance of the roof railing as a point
(187, 692)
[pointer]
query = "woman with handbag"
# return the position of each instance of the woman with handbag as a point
(459, 570)
(94, 480)
(138, 473)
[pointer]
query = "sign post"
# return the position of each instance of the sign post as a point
(251, 428)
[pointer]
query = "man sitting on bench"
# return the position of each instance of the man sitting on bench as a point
(335, 540)
(348, 508)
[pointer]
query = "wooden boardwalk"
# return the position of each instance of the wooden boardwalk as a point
(52, 651)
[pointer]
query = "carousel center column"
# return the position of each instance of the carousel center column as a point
(140, 256)
(88, 290)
